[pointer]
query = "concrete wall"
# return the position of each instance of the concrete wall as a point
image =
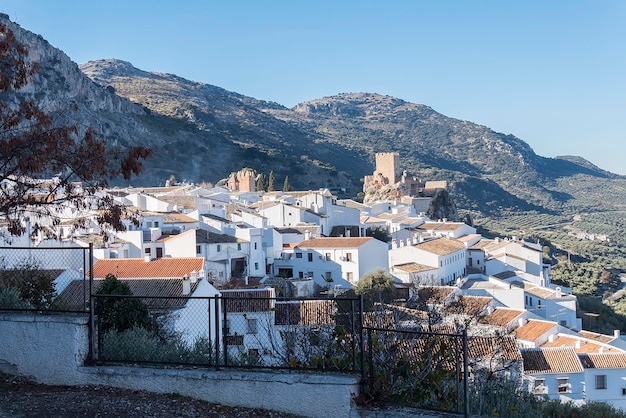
(52, 349)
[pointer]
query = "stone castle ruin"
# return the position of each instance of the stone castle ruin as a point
(387, 173)
(243, 180)
(389, 183)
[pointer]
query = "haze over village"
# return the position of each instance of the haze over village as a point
(166, 235)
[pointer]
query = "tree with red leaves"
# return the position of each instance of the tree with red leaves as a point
(32, 148)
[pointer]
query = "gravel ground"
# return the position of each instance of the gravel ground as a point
(20, 398)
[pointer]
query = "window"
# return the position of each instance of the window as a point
(348, 256)
(156, 224)
(310, 257)
(349, 276)
(623, 391)
(147, 251)
(300, 275)
(298, 255)
(198, 250)
(309, 274)
(255, 245)
(601, 381)
(239, 247)
(327, 256)
(149, 224)
(562, 385)
(159, 252)
(219, 248)
(314, 338)
(256, 266)
(251, 326)
(539, 386)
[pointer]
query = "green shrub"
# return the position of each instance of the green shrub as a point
(11, 298)
(141, 345)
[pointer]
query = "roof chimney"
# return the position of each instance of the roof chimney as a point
(146, 258)
(194, 276)
(186, 285)
(616, 333)
(558, 292)
(552, 338)
(578, 344)
(521, 322)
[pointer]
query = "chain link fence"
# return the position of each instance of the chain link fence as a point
(234, 330)
(40, 278)
(416, 369)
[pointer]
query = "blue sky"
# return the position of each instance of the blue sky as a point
(552, 73)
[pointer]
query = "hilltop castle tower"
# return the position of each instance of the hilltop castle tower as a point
(242, 181)
(387, 168)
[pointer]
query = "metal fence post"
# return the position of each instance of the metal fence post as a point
(217, 332)
(465, 374)
(93, 333)
(224, 332)
(361, 343)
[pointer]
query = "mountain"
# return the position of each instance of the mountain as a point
(202, 133)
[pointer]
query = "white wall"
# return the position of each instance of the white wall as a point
(51, 349)
(615, 383)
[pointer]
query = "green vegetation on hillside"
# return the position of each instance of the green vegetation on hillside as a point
(588, 252)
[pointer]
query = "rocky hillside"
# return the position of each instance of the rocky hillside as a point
(202, 133)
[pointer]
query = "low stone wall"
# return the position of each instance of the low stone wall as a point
(52, 349)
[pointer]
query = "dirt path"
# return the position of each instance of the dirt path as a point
(22, 399)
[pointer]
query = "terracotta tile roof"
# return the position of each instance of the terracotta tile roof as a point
(489, 347)
(440, 226)
(469, 305)
(305, 312)
(468, 237)
(440, 329)
(264, 204)
(550, 360)
(371, 220)
(403, 314)
(534, 329)
(167, 293)
(603, 360)
(174, 217)
(334, 242)
(205, 237)
(502, 317)
(578, 344)
(441, 246)
(413, 267)
(434, 294)
(597, 337)
(249, 300)
(392, 216)
(409, 220)
(384, 320)
(135, 268)
(492, 245)
(480, 245)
